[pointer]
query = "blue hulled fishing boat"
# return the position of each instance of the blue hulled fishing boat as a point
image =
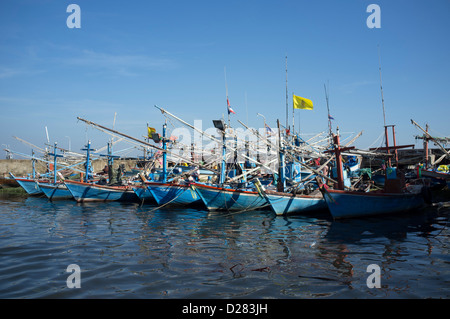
(55, 191)
(228, 197)
(30, 185)
(396, 197)
(217, 198)
(175, 194)
(164, 192)
(87, 192)
(345, 204)
(288, 203)
(143, 193)
(282, 202)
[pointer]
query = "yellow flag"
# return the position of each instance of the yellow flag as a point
(302, 103)
(151, 130)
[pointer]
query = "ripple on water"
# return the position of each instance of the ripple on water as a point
(132, 251)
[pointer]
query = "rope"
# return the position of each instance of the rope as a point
(246, 209)
(381, 135)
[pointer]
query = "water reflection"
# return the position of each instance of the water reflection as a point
(132, 250)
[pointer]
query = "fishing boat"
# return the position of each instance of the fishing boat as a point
(92, 191)
(174, 194)
(143, 193)
(29, 185)
(435, 171)
(345, 204)
(396, 197)
(223, 198)
(292, 200)
(231, 196)
(165, 191)
(442, 173)
(296, 201)
(55, 191)
(35, 186)
(8, 182)
(439, 173)
(89, 192)
(282, 203)
(156, 190)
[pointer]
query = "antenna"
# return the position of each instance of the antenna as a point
(226, 89)
(114, 124)
(328, 108)
(246, 106)
(381, 85)
(287, 109)
(46, 132)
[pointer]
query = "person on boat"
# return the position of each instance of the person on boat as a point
(196, 174)
(151, 175)
(104, 171)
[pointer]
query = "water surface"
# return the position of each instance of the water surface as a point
(128, 250)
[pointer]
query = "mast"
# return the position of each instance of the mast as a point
(226, 89)
(287, 108)
(88, 152)
(425, 146)
(224, 152)
(54, 162)
(201, 132)
(328, 109)
(381, 86)
(293, 120)
(382, 104)
(281, 169)
(33, 163)
(164, 153)
(338, 150)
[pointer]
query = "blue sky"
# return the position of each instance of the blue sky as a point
(131, 55)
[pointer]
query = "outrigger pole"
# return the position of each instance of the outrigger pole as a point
(287, 108)
(429, 137)
(131, 138)
(213, 138)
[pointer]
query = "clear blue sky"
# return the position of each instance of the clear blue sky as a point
(130, 55)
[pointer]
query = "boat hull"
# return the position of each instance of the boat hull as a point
(143, 193)
(286, 204)
(173, 194)
(55, 191)
(438, 175)
(29, 185)
(345, 204)
(10, 182)
(89, 192)
(225, 199)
